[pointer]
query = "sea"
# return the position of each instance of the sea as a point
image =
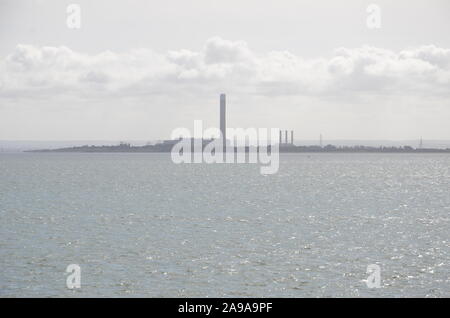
(138, 225)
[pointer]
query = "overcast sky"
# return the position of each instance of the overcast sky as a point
(139, 69)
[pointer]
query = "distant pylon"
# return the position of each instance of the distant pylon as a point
(421, 143)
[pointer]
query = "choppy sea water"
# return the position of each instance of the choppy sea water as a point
(139, 225)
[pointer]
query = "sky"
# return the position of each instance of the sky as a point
(139, 69)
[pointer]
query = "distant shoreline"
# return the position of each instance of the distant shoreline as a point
(283, 148)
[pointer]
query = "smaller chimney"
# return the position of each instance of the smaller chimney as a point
(285, 137)
(281, 138)
(292, 137)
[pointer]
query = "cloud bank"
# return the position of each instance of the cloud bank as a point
(36, 72)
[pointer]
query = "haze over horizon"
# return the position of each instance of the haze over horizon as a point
(142, 70)
(25, 145)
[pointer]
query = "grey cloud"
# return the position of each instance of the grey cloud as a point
(95, 77)
(218, 50)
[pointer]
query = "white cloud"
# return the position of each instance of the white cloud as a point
(30, 72)
(217, 51)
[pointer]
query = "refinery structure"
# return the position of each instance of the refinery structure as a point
(285, 144)
(223, 129)
(242, 138)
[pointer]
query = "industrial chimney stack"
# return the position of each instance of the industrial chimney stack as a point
(223, 125)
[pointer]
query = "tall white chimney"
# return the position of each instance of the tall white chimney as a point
(223, 125)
